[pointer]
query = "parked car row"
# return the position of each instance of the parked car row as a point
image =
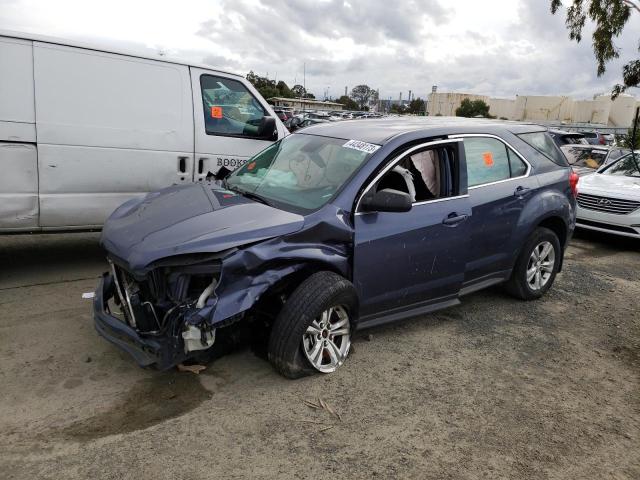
(563, 137)
(296, 119)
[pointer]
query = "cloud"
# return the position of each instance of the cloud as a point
(411, 45)
(499, 48)
(327, 35)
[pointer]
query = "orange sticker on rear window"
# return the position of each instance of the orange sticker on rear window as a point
(216, 112)
(488, 159)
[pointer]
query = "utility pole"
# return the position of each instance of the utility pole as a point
(634, 135)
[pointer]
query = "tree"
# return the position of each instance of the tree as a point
(347, 102)
(284, 90)
(397, 108)
(361, 95)
(473, 108)
(417, 106)
(610, 17)
(298, 91)
(627, 141)
(266, 88)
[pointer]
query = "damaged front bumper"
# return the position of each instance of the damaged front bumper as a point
(161, 352)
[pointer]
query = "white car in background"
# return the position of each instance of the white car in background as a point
(609, 200)
(586, 159)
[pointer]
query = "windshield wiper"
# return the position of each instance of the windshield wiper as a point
(248, 194)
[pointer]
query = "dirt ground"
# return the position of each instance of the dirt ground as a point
(493, 388)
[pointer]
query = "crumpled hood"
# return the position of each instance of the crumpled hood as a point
(613, 186)
(197, 218)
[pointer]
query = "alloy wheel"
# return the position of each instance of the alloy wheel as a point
(327, 340)
(540, 266)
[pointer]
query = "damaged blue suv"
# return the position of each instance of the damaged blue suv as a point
(341, 226)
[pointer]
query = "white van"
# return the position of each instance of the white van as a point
(83, 129)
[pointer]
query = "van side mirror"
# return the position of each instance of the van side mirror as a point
(387, 200)
(267, 128)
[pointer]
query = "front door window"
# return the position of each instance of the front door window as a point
(229, 108)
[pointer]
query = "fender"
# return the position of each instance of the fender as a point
(249, 272)
(554, 205)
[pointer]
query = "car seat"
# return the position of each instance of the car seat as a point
(400, 179)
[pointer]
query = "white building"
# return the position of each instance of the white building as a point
(446, 103)
(537, 108)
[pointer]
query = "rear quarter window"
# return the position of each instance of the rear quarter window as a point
(543, 143)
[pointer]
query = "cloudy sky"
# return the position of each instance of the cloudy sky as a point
(493, 47)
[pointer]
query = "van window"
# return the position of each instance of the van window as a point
(229, 108)
(490, 160)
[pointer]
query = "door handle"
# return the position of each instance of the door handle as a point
(202, 168)
(454, 219)
(201, 161)
(521, 192)
(182, 165)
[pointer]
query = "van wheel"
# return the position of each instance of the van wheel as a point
(312, 332)
(537, 265)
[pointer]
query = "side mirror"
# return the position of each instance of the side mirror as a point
(387, 200)
(221, 174)
(267, 128)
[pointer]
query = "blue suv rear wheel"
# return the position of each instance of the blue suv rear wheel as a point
(536, 266)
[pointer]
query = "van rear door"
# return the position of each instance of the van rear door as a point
(18, 157)
(110, 127)
(226, 111)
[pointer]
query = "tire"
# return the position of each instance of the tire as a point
(524, 288)
(318, 294)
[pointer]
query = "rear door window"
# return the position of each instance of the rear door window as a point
(489, 160)
(229, 108)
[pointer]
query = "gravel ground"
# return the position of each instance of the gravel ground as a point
(494, 388)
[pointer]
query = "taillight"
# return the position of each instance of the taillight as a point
(573, 183)
(602, 140)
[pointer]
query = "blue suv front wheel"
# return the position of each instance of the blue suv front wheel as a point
(312, 332)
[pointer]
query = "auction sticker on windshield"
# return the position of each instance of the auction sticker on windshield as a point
(361, 146)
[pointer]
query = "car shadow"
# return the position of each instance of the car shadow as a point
(607, 241)
(27, 260)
